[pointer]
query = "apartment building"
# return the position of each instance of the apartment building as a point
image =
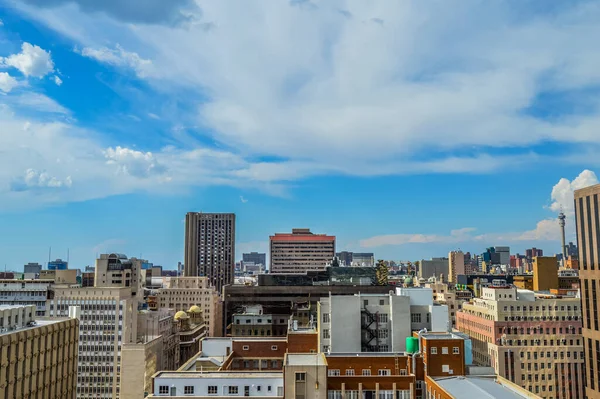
(300, 251)
(210, 247)
(377, 323)
(116, 270)
(107, 321)
(25, 292)
(181, 293)
(434, 267)
(587, 218)
(38, 357)
(532, 339)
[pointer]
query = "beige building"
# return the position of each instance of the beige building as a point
(532, 339)
(116, 270)
(300, 251)
(38, 357)
(107, 321)
(456, 265)
(587, 215)
(181, 293)
(451, 296)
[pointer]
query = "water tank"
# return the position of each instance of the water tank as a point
(412, 344)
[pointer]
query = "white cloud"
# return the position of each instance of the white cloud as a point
(37, 102)
(153, 116)
(132, 162)
(7, 82)
(120, 58)
(244, 200)
(57, 80)
(33, 179)
(31, 61)
(562, 192)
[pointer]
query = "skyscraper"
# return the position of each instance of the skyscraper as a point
(587, 218)
(300, 251)
(210, 247)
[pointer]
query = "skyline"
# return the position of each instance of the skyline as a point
(401, 130)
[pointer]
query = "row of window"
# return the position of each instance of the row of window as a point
(537, 308)
(434, 350)
(365, 372)
(406, 394)
(210, 390)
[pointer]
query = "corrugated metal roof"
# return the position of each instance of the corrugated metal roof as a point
(472, 387)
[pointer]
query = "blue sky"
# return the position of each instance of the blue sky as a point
(403, 128)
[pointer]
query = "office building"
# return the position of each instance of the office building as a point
(38, 357)
(456, 265)
(344, 257)
(254, 322)
(434, 267)
(451, 295)
(117, 271)
(181, 293)
(31, 270)
(363, 259)
(106, 322)
(545, 271)
(532, 339)
(210, 247)
(25, 292)
(587, 219)
(532, 253)
(58, 264)
(503, 255)
(300, 251)
(255, 257)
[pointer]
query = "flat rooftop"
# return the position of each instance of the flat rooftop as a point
(472, 387)
(217, 374)
(38, 323)
(443, 336)
(316, 359)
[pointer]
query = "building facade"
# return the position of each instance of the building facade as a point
(456, 265)
(532, 339)
(434, 267)
(300, 251)
(181, 293)
(116, 270)
(25, 292)
(210, 247)
(587, 218)
(255, 257)
(38, 357)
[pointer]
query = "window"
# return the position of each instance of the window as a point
(415, 317)
(268, 388)
(433, 350)
(300, 377)
(456, 350)
(349, 371)
(384, 372)
(163, 389)
(384, 333)
(381, 302)
(246, 347)
(403, 372)
(326, 318)
(383, 318)
(213, 390)
(366, 302)
(233, 390)
(326, 334)
(444, 350)
(333, 373)
(326, 348)
(274, 348)
(188, 390)
(366, 372)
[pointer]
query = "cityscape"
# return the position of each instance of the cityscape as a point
(299, 199)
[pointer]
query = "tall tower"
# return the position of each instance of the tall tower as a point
(210, 247)
(561, 222)
(587, 220)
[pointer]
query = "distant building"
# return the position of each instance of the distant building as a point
(255, 257)
(58, 264)
(25, 292)
(456, 265)
(32, 268)
(532, 253)
(300, 251)
(433, 267)
(39, 356)
(116, 270)
(356, 259)
(345, 258)
(210, 247)
(504, 255)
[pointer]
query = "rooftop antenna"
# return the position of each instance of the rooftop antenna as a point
(49, 254)
(68, 253)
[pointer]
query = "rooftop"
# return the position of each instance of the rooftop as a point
(472, 387)
(217, 374)
(317, 359)
(38, 323)
(444, 336)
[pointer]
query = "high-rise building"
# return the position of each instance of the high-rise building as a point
(587, 220)
(363, 259)
(503, 254)
(532, 253)
(300, 251)
(210, 247)
(58, 264)
(116, 270)
(32, 268)
(532, 339)
(456, 265)
(433, 267)
(38, 357)
(255, 257)
(545, 273)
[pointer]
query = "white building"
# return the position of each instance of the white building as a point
(377, 323)
(218, 384)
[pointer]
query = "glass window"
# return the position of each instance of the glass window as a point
(188, 390)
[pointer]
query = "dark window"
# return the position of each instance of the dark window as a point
(582, 235)
(587, 303)
(589, 229)
(591, 363)
(595, 305)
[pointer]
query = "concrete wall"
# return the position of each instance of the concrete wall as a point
(439, 318)
(216, 346)
(222, 381)
(418, 296)
(433, 267)
(345, 323)
(400, 322)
